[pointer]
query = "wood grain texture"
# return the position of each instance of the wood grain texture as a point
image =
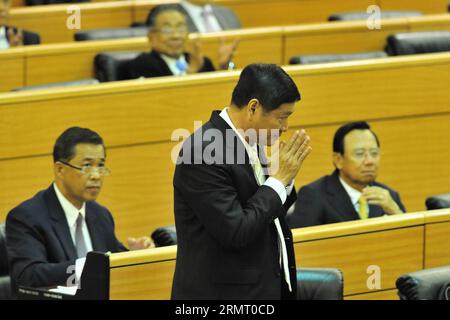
(12, 69)
(394, 252)
(437, 245)
(379, 295)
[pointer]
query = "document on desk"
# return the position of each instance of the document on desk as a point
(65, 290)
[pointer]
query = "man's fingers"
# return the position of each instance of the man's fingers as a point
(291, 141)
(302, 147)
(305, 153)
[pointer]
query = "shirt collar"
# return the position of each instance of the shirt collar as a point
(172, 64)
(252, 150)
(352, 192)
(70, 210)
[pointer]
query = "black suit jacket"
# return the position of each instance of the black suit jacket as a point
(227, 239)
(150, 64)
(40, 247)
(326, 201)
(29, 38)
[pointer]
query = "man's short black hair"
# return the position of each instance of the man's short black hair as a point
(338, 140)
(64, 148)
(268, 83)
(157, 10)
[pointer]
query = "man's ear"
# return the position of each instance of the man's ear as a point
(58, 169)
(338, 160)
(252, 106)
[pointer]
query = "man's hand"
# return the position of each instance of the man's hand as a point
(15, 39)
(226, 52)
(381, 197)
(196, 57)
(291, 156)
(140, 243)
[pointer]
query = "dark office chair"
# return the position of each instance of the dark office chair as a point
(5, 281)
(110, 33)
(439, 201)
(418, 42)
(427, 284)
(320, 284)
(335, 57)
(113, 66)
(363, 15)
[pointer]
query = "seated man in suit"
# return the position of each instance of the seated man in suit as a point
(350, 192)
(12, 36)
(168, 33)
(207, 18)
(53, 231)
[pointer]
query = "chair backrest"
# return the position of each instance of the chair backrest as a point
(165, 236)
(418, 42)
(440, 201)
(320, 284)
(110, 33)
(363, 15)
(323, 58)
(5, 281)
(427, 284)
(113, 66)
(82, 82)
(41, 2)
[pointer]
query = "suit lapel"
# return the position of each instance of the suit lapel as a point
(165, 70)
(95, 231)
(339, 199)
(59, 223)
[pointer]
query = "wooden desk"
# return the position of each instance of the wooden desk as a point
(395, 244)
(437, 233)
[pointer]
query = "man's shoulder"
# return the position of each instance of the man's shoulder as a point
(317, 185)
(384, 186)
(32, 207)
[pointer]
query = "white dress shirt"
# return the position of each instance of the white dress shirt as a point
(196, 13)
(353, 194)
(4, 44)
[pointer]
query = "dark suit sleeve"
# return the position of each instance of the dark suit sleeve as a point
(210, 193)
(117, 245)
(30, 38)
(207, 65)
(307, 210)
(396, 196)
(27, 253)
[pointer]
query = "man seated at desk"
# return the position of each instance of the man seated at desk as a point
(49, 234)
(350, 192)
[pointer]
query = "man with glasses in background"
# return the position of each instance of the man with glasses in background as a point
(168, 32)
(49, 234)
(350, 192)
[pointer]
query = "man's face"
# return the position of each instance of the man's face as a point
(169, 34)
(4, 11)
(271, 125)
(359, 164)
(77, 186)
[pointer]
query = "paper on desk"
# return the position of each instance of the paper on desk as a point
(65, 290)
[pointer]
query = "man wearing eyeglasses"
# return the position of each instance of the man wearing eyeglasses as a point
(53, 231)
(168, 32)
(350, 192)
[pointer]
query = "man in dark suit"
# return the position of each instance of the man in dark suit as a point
(11, 36)
(167, 34)
(233, 242)
(49, 235)
(350, 192)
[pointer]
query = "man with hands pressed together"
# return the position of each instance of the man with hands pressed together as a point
(233, 241)
(168, 33)
(350, 192)
(53, 231)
